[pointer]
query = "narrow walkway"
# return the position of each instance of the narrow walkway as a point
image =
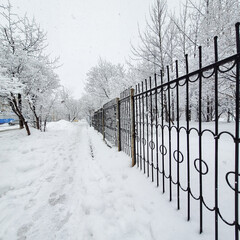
(67, 184)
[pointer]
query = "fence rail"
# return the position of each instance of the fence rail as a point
(173, 132)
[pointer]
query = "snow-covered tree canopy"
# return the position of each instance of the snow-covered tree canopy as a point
(169, 37)
(105, 81)
(27, 75)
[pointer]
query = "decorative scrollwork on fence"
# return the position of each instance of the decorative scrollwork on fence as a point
(228, 181)
(199, 167)
(178, 156)
(177, 124)
(163, 150)
(172, 116)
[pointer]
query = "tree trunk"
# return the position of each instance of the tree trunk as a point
(73, 119)
(37, 122)
(208, 110)
(45, 125)
(20, 108)
(27, 128)
(228, 116)
(37, 119)
(14, 105)
(166, 108)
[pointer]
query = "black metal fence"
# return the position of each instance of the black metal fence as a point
(114, 122)
(125, 122)
(110, 121)
(181, 142)
(97, 120)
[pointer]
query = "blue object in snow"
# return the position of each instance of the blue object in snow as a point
(6, 120)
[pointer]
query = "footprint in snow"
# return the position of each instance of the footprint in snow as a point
(30, 204)
(21, 233)
(55, 199)
(25, 151)
(49, 179)
(64, 221)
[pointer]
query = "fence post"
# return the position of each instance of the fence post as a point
(103, 133)
(132, 127)
(118, 125)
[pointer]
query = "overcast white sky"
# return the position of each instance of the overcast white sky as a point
(81, 31)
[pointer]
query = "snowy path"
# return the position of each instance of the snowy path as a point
(67, 184)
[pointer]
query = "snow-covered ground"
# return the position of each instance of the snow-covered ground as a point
(67, 184)
(5, 127)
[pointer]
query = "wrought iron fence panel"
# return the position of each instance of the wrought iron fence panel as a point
(110, 122)
(97, 120)
(182, 145)
(125, 122)
(180, 141)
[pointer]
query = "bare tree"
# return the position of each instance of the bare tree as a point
(152, 47)
(22, 45)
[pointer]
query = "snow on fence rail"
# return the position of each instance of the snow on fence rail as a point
(173, 131)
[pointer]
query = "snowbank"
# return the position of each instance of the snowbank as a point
(59, 125)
